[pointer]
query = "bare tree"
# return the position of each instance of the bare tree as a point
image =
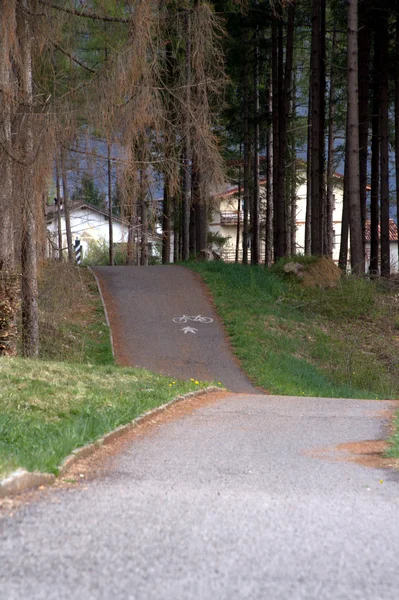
(29, 291)
(7, 44)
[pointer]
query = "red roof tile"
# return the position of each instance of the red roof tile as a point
(393, 231)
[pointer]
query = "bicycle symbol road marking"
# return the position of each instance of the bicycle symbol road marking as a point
(195, 319)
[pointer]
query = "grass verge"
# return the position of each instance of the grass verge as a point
(340, 341)
(294, 340)
(75, 393)
(47, 409)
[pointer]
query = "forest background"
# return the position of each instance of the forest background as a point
(116, 99)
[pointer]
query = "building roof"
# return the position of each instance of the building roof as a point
(51, 214)
(393, 231)
(51, 210)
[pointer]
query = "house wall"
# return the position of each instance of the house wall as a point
(230, 205)
(227, 205)
(393, 257)
(337, 217)
(87, 225)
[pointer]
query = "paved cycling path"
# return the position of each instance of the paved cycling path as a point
(229, 497)
(246, 497)
(162, 319)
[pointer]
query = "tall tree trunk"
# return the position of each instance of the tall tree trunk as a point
(269, 185)
(384, 152)
(144, 220)
(328, 235)
(276, 137)
(279, 211)
(364, 87)
(201, 220)
(355, 219)
(308, 217)
(29, 291)
(246, 164)
(322, 142)
(6, 175)
(130, 254)
(131, 215)
(166, 223)
(255, 195)
(316, 167)
(58, 191)
(176, 229)
(193, 220)
(397, 123)
(285, 75)
(343, 250)
(375, 150)
(238, 229)
(110, 215)
(186, 199)
(65, 198)
(293, 197)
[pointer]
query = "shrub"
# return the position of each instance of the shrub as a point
(98, 253)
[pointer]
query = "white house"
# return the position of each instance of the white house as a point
(228, 209)
(393, 244)
(89, 223)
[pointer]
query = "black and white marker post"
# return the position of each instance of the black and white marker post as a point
(78, 251)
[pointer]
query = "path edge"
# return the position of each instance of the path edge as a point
(97, 280)
(21, 480)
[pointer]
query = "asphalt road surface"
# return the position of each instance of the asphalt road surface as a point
(153, 312)
(241, 496)
(247, 497)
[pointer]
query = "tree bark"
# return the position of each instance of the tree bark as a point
(285, 77)
(308, 217)
(355, 219)
(397, 122)
(322, 142)
(364, 88)
(29, 290)
(384, 151)
(186, 199)
(255, 195)
(343, 250)
(65, 198)
(166, 223)
(316, 175)
(58, 190)
(246, 164)
(6, 175)
(238, 215)
(279, 132)
(375, 151)
(144, 220)
(110, 215)
(269, 186)
(328, 236)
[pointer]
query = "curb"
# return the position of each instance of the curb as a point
(21, 480)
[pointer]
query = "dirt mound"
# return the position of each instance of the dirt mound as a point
(321, 273)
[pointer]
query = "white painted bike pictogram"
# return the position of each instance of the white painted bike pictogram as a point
(195, 319)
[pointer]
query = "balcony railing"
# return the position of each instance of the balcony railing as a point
(230, 217)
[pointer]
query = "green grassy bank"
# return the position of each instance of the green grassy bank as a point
(338, 341)
(74, 393)
(47, 409)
